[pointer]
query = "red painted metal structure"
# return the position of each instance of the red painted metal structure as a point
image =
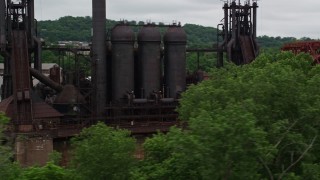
(310, 47)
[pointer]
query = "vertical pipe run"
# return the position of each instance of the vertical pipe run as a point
(246, 24)
(2, 25)
(226, 23)
(37, 53)
(30, 22)
(99, 54)
(34, 42)
(226, 36)
(254, 19)
(233, 11)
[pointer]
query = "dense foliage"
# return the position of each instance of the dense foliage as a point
(48, 172)
(7, 167)
(66, 29)
(101, 152)
(256, 121)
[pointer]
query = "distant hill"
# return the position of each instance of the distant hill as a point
(70, 28)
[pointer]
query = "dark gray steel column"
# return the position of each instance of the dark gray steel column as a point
(2, 24)
(30, 21)
(99, 54)
(226, 22)
(254, 19)
(233, 23)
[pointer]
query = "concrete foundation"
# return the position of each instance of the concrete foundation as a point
(62, 145)
(33, 151)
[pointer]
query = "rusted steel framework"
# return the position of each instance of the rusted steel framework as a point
(237, 35)
(14, 16)
(310, 47)
(151, 110)
(20, 47)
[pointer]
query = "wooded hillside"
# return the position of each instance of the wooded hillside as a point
(79, 29)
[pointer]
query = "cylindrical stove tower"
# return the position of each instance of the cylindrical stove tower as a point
(149, 64)
(122, 39)
(175, 40)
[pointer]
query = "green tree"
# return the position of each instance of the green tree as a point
(48, 172)
(101, 152)
(220, 145)
(257, 121)
(8, 168)
(282, 90)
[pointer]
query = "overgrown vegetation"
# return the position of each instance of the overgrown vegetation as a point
(257, 121)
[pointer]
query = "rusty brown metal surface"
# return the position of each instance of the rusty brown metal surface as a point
(310, 47)
(21, 78)
(43, 110)
(55, 74)
(45, 80)
(247, 48)
(237, 35)
(33, 151)
(5, 106)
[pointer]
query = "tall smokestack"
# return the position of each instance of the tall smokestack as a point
(99, 55)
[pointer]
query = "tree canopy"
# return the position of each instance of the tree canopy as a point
(101, 152)
(257, 121)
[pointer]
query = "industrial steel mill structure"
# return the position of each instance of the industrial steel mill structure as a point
(136, 80)
(237, 37)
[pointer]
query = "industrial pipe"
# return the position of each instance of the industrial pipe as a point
(30, 22)
(45, 80)
(226, 23)
(254, 19)
(233, 38)
(37, 54)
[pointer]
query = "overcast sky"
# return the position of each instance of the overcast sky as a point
(285, 18)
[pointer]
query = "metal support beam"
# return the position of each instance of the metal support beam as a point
(254, 19)
(2, 25)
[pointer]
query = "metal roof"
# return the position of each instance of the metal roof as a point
(40, 109)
